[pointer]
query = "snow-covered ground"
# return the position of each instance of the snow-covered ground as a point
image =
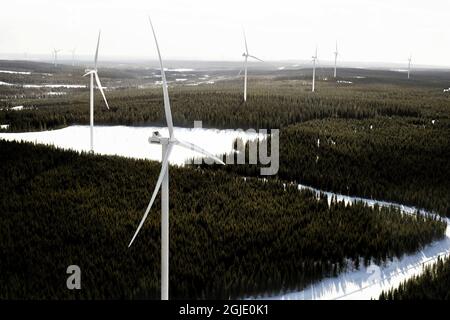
(179, 70)
(133, 142)
(29, 86)
(69, 86)
(369, 282)
(15, 72)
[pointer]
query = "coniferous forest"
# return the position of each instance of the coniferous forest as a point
(61, 208)
(432, 284)
(233, 235)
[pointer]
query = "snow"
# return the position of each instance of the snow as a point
(369, 282)
(14, 72)
(178, 70)
(133, 141)
(4, 126)
(343, 81)
(17, 108)
(52, 93)
(180, 79)
(69, 86)
(281, 68)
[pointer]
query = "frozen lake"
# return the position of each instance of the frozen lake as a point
(133, 142)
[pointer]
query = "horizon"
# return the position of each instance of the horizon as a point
(366, 31)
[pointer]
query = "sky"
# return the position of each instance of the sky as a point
(366, 30)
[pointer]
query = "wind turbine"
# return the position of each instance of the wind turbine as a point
(246, 55)
(73, 56)
(163, 179)
(93, 74)
(314, 57)
(55, 56)
(409, 65)
(336, 53)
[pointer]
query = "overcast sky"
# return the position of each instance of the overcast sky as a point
(366, 30)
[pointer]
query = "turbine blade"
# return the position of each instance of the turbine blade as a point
(195, 148)
(88, 73)
(96, 51)
(99, 85)
(165, 88)
(256, 58)
(245, 41)
(164, 165)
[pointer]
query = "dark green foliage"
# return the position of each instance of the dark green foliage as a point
(432, 284)
(403, 160)
(245, 237)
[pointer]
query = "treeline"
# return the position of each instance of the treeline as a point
(217, 109)
(432, 284)
(230, 237)
(400, 160)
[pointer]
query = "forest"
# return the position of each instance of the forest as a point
(247, 237)
(404, 160)
(432, 284)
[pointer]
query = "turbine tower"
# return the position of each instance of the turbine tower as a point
(409, 65)
(336, 53)
(93, 74)
(314, 71)
(73, 56)
(55, 56)
(167, 144)
(246, 55)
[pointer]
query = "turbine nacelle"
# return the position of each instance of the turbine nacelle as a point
(156, 138)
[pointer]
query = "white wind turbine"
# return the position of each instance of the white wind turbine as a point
(167, 144)
(336, 53)
(55, 56)
(93, 74)
(409, 65)
(314, 71)
(73, 56)
(246, 55)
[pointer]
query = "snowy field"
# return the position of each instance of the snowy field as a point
(132, 142)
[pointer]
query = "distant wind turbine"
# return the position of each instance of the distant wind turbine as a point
(93, 74)
(314, 57)
(336, 53)
(409, 65)
(163, 179)
(55, 56)
(73, 56)
(246, 55)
